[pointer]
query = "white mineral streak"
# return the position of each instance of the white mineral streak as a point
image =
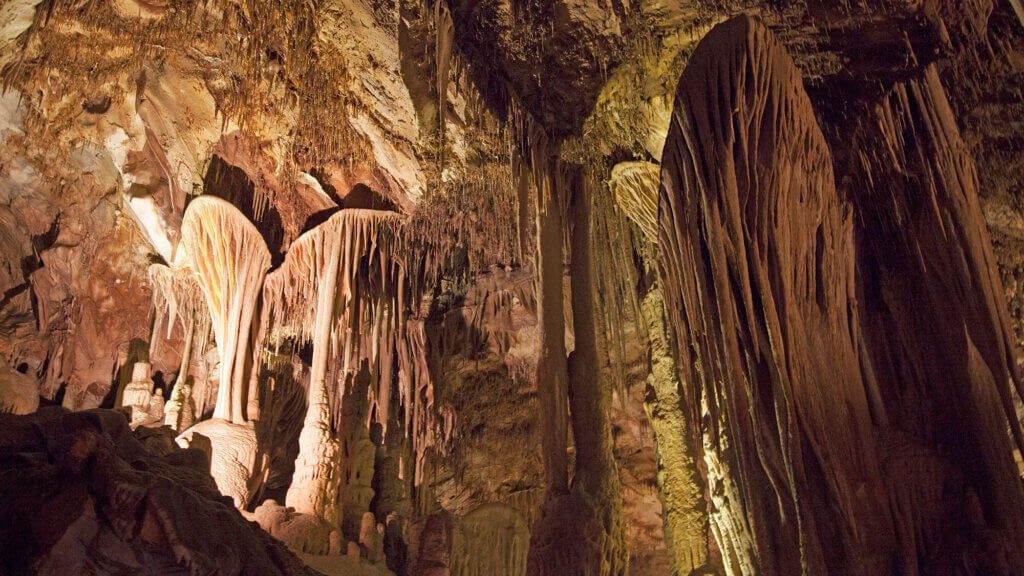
(230, 260)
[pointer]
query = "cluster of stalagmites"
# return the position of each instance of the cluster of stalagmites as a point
(844, 353)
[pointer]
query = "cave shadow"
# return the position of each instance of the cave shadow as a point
(232, 184)
(360, 197)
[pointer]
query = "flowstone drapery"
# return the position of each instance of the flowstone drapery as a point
(341, 288)
(230, 260)
(846, 354)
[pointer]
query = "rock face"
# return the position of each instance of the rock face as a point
(80, 495)
(557, 73)
(19, 393)
(233, 452)
(789, 305)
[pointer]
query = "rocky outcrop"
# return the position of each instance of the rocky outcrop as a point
(682, 491)
(79, 494)
(788, 301)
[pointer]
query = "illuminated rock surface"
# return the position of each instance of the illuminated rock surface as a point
(510, 287)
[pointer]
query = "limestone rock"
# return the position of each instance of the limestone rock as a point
(303, 533)
(234, 455)
(80, 495)
(19, 393)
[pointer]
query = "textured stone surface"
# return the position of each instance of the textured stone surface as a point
(774, 280)
(82, 495)
(115, 116)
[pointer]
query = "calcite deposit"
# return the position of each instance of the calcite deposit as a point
(512, 288)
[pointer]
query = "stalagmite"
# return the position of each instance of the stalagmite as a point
(177, 296)
(138, 395)
(842, 431)
(230, 259)
(324, 293)
(180, 410)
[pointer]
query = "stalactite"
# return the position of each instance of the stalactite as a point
(340, 289)
(229, 259)
(520, 170)
(179, 413)
(178, 298)
(445, 30)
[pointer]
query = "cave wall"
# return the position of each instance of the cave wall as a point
(105, 145)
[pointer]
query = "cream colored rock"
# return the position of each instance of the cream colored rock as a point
(155, 409)
(302, 533)
(15, 18)
(490, 541)
(233, 452)
(180, 411)
(372, 55)
(138, 394)
(635, 188)
(371, 538)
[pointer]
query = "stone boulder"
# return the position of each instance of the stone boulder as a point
(80, 495)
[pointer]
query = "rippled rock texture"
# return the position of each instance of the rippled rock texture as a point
(847, 352)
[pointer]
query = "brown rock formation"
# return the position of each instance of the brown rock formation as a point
(110, 506)
(779, 340)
